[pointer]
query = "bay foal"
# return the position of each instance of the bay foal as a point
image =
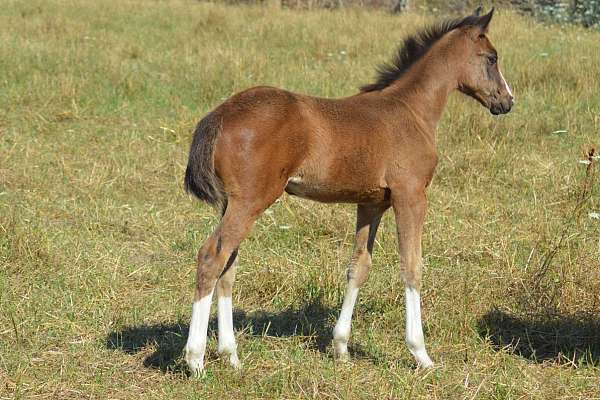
(376, 149)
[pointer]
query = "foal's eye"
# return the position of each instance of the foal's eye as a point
(493, 59)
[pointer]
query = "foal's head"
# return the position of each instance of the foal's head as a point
(474, 60)
(480, 76)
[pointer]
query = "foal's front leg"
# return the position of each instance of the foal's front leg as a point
(367, 221)
(410, 208)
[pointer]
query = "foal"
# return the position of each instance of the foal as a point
(376, 149)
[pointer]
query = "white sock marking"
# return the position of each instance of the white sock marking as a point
(196, 343)
(227, 344)
(341, 332)
(414, 328)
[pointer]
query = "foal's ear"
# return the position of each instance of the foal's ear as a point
(478, 11)
(484, 21)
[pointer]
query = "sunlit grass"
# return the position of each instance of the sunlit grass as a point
(98, 239)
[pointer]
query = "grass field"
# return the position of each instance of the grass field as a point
(98, 238)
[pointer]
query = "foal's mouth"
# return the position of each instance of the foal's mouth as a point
(500, 108)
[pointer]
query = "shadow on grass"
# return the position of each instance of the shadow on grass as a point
(562, 339)
(168, 341)
(311, 321)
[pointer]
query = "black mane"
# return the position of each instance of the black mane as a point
(413, 48)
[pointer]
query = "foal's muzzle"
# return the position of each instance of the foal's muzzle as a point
(501, 107)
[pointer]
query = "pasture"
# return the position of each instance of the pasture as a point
(98, 239)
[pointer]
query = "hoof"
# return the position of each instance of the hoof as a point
(340, 350)
(423, 360)
(343, 357)
(235, 362)
(195, 361)
(426, 364)
(231, 351)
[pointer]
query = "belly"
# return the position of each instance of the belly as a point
(336, 192)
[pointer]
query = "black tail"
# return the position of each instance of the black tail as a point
(200, 176)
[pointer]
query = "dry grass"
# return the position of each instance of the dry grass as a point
(97, 238)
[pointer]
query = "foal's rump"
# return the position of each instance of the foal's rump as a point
(248, 146)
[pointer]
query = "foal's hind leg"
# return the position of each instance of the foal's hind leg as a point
(410, 207)
(367, 222)
(212, 258)
(227, 345)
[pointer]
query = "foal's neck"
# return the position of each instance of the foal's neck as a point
(424, 91)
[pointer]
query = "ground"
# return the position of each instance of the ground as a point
(98, 239)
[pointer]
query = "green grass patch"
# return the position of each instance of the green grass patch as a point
(98, 239)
